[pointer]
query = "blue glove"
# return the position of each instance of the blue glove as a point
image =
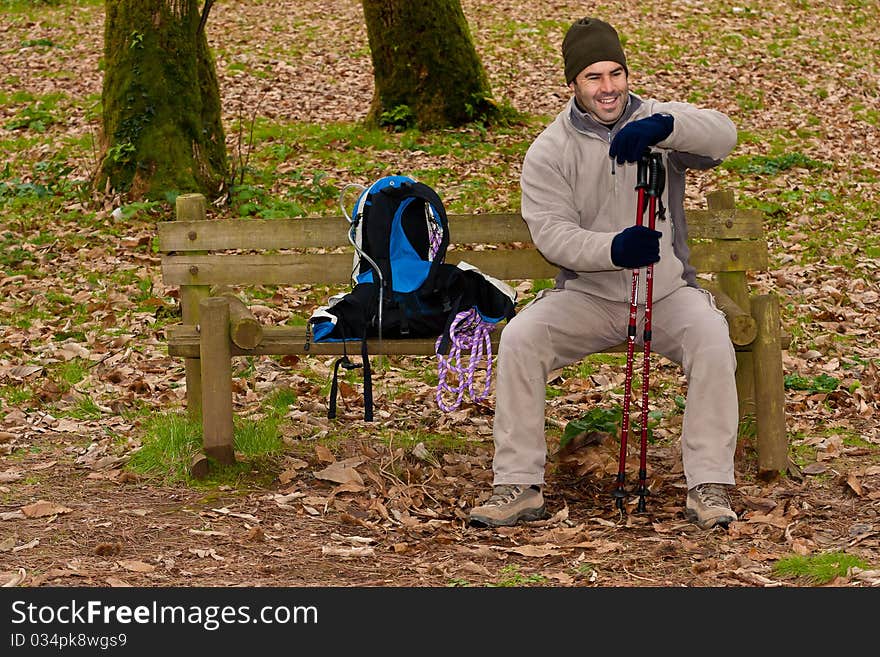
(635, 138)
(636, 246)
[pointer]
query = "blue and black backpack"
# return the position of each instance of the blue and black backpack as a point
(402, 286)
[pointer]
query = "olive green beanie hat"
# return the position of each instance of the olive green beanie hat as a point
(588, 41)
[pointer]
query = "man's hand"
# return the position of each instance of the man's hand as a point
(636, 246)
(635, 138)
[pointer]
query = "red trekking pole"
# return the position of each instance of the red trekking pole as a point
(650, 182)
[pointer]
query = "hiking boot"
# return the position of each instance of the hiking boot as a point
(708, 505)
(509, 504)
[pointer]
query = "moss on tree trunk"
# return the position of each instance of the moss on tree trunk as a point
(425, 67)
(161, 101)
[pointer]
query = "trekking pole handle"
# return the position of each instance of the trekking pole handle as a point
(656, 175)
(642, 170)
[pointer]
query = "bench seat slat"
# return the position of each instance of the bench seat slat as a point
(183, 341)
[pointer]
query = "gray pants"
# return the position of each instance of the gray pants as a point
(560, 327)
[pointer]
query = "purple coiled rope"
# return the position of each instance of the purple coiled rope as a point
(468, 332)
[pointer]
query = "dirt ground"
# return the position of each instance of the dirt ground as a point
(402, 522)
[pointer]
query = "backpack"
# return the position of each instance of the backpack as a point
(402, 286)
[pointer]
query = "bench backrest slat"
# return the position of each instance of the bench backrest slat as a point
(725, 224)
(329, 268)
(729, 255)
(330, 232)
(320, 232)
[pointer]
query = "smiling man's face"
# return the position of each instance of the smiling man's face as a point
(601, 89)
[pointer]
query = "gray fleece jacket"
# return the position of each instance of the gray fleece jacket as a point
(575, 198)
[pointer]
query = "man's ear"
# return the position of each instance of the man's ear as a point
(571, 86)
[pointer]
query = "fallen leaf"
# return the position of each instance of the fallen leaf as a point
(349, 487)
(536, 550)
(855, 485)
(776, 521)
(339, 473)
(335, 551)
(115, 582)
(24, 371)
(244, 516)
(476, 569)
(763, 504)
(66, 425)
(136, 566)
(287, 476)
(27, 546)
(13, 579)
(815, 468)
(354, 540)
(44, 508)
(255, 534)
(563, 578)
(9, 476)
(324, 454)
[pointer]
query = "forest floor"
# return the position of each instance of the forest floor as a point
(352, 504)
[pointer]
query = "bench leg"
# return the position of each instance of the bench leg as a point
(194, 388)
(190, 297)
(769, 386)
(216, 371)
(745, 393)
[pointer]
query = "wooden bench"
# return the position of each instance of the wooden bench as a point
(198, 255)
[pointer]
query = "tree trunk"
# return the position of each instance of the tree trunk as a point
(426, 70)
(161, 101)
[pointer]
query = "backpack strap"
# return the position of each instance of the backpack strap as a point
(334, 386)
(368, 382)
(345, 363)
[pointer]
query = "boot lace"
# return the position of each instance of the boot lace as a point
(504, 493)
(713, 495)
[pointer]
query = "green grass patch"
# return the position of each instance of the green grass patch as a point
(766, 165)
(171, 441)
(435, 443)
(510, 576)
(820, 383)
(72, 372)
(279, 401)
(85, 409)
(29, 6)
(819, 568)
(37, 116)
(257, 439)
(16, 395)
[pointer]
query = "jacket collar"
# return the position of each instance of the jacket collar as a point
(584, 122)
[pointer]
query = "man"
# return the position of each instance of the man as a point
(579, 201)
